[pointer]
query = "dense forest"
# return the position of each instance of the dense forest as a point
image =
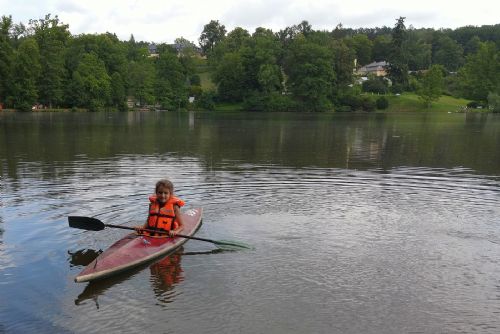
(295, 69)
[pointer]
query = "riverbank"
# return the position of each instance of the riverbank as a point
(406, 102)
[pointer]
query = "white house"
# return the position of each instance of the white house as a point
(378, 68)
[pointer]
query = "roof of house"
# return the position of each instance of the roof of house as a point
(375, 66)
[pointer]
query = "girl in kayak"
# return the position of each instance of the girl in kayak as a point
(164, 210)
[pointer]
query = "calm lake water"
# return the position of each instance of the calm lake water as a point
(360, 223)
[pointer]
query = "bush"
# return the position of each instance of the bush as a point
(206, 101)
(367, 104)
(494, 102)
(397, 89)
(268, 102)
(254, 102)
(453, 86)
(195, 91)
(474, 104)
(352, 101)
(96, 105)
(195, 80)
(382, 103)
(123, 106)
(376, 85)
(413, 84)
(278, 102)
(343, 109)
(23, 106)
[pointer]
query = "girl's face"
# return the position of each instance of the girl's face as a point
(163, 194)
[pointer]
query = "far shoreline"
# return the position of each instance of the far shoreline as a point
(406, 102)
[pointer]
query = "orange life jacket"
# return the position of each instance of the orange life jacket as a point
(162, 217)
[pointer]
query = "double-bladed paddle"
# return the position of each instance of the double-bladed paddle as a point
(94, 224)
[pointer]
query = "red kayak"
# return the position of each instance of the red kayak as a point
(134, 249)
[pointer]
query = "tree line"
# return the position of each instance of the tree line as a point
(295, 69)
(42, 63)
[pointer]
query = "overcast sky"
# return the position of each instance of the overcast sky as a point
(163, 21)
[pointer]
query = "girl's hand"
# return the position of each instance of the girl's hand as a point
(172, 233)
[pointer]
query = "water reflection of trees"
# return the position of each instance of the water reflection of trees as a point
(359, 141)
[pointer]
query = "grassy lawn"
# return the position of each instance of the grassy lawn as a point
(411, 102)
(206, 82)
(203, 71)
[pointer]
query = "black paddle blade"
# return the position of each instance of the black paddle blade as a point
(86, 223)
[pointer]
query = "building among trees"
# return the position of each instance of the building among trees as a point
(377, 68)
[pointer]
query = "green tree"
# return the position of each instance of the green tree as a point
(92, 83)
(398, 62)
(171, 81)
(25, 75)
(472, 45)
(304, 28)
(141, 78)
(186, 54)
(375, 85)
(431, 86)
(287, 35)
(247, 66)
(135, 51)
(419, 52)
(494, 102)
(51, 36)
(6, 57)
(310, 74)
(343, 64)
(118, 91)
(184, 46)
(230, 78)
(212, 33)
(18, 32)
(447, 52)
(381, 48)
(269, 78)
(481, 73)
(112, 52)
(106, 47)
(232, 43)
(236, 39)
(260, 55)
(362, 47)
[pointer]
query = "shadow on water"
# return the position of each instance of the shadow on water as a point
(165, 273)
(83, 257)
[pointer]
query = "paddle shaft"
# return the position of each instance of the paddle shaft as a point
(94, 224)
(162, 232)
